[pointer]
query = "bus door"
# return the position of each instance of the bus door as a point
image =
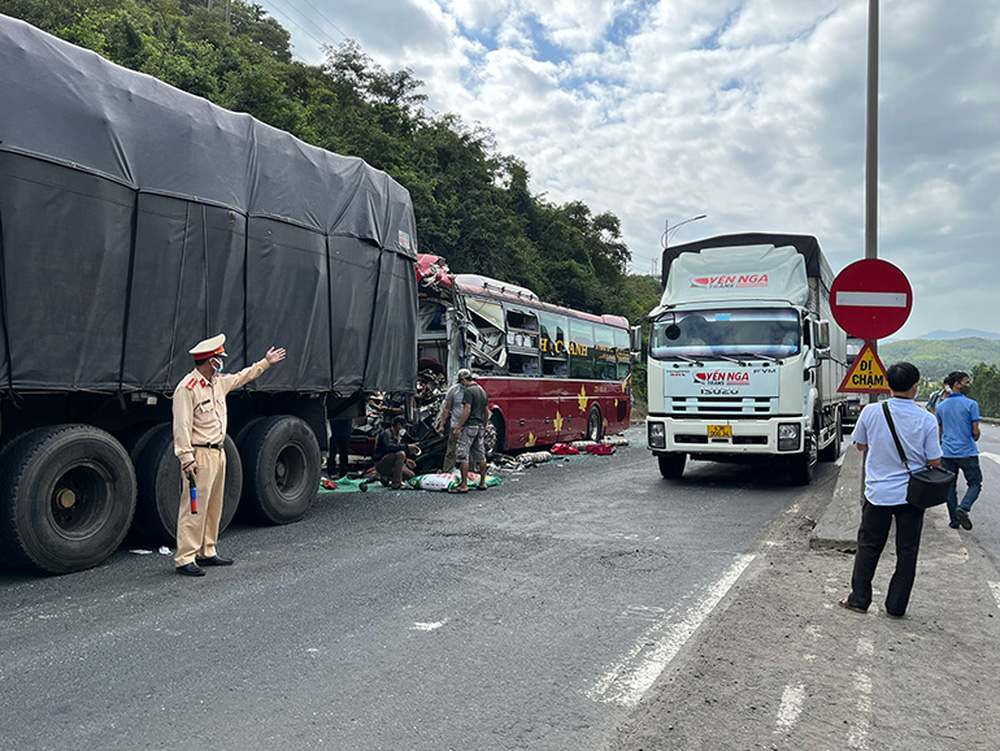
(580, 398)
(554, 384)
(526, 418)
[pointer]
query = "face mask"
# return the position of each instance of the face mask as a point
(402, 432)
(217, 364)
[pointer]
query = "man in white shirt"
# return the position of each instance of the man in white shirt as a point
(886, 480)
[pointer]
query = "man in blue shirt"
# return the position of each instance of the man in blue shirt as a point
(886, 480)
(958, 422)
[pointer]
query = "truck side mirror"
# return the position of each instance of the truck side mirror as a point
(635, 339)
(823, 339)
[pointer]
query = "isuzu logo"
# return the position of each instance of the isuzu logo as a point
(722, 378)
(730, 281)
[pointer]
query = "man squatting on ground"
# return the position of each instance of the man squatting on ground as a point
(452, 410)
(200, 421)
(391, 463)
(886, 480)
(471, 430)
(958, 419)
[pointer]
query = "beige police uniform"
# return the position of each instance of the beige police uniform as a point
(200, 421)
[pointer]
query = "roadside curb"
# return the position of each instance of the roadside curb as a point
(838, 526)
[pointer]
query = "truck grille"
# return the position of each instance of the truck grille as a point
(722, 406)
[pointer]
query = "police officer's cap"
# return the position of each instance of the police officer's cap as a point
(214, 347)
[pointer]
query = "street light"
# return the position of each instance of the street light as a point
(668, 230)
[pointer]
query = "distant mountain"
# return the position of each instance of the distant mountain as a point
(936, 358)
(961, 334)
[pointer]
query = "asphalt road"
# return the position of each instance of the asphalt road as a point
(986, 512)
(534, 615)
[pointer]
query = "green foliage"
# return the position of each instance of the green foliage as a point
(936, 358)
(985, 389)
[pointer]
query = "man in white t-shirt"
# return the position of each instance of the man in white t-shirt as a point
(886, 480)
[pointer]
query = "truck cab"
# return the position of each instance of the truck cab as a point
(743, 363)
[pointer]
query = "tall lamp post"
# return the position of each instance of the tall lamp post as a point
(668, 231)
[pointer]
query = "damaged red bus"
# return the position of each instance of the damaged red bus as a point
(552, 374)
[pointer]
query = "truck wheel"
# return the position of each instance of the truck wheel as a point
(158, 474)
(595, 429)
(671, 465)
(832, 451)
(5, 448)
(800, 467)
(281, 468)
(496, 435)
(67, 496)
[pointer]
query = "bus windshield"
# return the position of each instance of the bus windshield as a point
(767, 332)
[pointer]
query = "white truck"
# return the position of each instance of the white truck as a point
(744, 360)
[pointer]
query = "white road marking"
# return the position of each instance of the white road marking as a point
(625, 682)
(995, 588)
(790, 707)
(858, 735)
(418, 626)
(988, 455)
(865, 648)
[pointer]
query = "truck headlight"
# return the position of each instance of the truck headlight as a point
(657, 436)
(788, 436)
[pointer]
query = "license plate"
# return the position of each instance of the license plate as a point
(720, 431)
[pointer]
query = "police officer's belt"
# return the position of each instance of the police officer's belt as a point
(207, 446)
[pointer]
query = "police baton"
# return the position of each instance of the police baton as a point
(194, 495)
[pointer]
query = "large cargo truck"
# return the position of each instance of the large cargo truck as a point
(744, 361)
(135, 221)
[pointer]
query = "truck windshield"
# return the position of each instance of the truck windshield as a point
(772, 332)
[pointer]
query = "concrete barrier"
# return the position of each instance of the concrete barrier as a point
(838, 527)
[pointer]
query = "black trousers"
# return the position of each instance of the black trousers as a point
(872, 536)
(340, 446)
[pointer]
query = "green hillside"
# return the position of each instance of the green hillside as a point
(937, 357)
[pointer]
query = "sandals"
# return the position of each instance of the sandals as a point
(854, 608)
(459, 490)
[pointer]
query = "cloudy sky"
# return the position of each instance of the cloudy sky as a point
(750, 112)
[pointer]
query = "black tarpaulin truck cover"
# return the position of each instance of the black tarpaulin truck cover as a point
(137, 219)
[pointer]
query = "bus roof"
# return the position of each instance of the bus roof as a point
(501, 291)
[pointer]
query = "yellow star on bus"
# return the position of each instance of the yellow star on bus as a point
(558, 422)
(582, 400)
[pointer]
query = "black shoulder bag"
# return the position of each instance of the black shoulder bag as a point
(928, 486)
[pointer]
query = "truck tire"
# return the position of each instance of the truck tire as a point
(800, 466)
(831, 452)
(671, 465)
(281, 464)
(67, 496)
(158, 476)
(595, 426)
(135, 439)
(496, 435)
(5, 448)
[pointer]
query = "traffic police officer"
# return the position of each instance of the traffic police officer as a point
(200, 419)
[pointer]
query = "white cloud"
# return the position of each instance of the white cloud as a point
(752, 112)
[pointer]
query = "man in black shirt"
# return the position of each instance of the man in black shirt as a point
(471, 432)
(390, 454)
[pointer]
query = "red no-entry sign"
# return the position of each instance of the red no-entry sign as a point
(871, 299)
